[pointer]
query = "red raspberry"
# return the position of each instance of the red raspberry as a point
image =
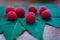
(46, 14)
(30, 17)
(9, 8)
(32, 9)
(11, 16)
(20, 11)
(42, 8)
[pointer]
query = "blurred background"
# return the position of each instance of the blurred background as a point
(12, 2)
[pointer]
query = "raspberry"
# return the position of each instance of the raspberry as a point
(42, 8)
(32, 9)
(20, 11)
(9, 8)
(30, 17)
(46, 14)
(11, 16)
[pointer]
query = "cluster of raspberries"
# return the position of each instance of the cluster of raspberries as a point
(12, 13)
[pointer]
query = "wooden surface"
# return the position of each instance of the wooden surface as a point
(50, 33)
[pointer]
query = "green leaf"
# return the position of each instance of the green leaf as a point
(25, 6)
(2, 11)
(35, 29)
(54, 22)
(11, 29)
(54, 9)
(0, 29)
(0, 25)
(38, 5)
(55, 15)
(16, 6)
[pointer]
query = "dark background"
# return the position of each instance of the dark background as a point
(12, 2)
